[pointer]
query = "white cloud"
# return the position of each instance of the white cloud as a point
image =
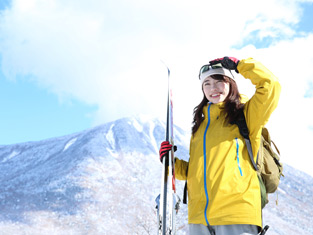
(108, 53)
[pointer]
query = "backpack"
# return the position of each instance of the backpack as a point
(267, 165)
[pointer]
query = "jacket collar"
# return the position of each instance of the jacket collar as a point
(214, 109)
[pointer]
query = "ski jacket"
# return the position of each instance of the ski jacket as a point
(223, 187)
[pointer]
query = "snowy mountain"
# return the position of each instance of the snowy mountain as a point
(105, 180)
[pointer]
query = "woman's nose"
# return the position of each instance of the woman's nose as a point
(213, 87)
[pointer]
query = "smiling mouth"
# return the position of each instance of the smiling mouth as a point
(215, 95)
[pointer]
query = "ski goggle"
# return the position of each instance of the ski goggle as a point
(208, 67)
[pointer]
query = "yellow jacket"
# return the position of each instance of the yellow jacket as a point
(223, 187)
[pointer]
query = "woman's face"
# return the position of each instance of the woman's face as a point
(215, 91)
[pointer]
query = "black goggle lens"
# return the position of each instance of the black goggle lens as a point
(208, 67)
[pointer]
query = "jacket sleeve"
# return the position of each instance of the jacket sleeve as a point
(181, 169)
(264, 101)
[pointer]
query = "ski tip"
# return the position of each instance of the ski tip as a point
(168, 70)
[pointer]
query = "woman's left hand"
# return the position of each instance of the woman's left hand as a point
(227, 62)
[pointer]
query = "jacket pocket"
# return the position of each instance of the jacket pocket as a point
(237, 156)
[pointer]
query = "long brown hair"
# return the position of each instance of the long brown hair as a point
(232, 104)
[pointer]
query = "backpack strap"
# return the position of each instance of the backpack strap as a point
(275, 147)
(185, 189)
(244, 131)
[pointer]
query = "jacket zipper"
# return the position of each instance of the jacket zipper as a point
(237, 153)
(204, 165)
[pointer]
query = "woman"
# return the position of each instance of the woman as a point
(223, 187)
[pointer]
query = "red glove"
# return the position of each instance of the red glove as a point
(227, 62)
(165, 148)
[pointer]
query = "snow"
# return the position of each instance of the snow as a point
(68, 144)
(137, 126)
(112, 153)
(281, 191)
(12, 155)
(153, 140)
(110, 136)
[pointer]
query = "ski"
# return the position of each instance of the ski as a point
(168, 172)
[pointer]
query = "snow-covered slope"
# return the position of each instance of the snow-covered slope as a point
(105, 180)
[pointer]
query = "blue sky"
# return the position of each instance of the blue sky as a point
(66, 66)
(32, 113)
